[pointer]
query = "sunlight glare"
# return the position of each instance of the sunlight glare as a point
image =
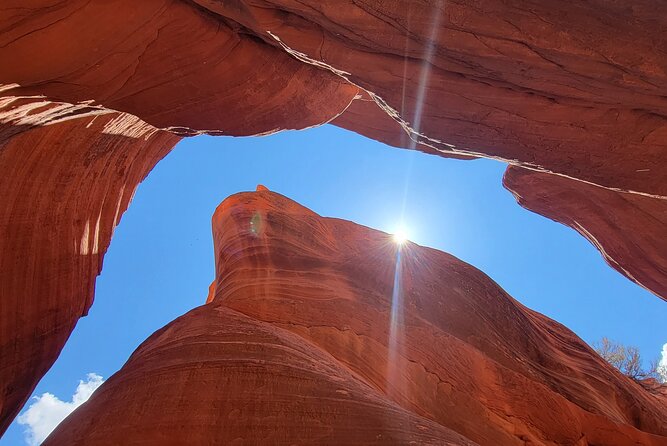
(400, 235)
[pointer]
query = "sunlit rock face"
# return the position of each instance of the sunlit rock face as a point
(321, 331)
(216, 376)
(70, 165)
(64, 188)
(575, 88)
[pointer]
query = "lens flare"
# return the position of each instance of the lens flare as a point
(395, 378)
(400, 236)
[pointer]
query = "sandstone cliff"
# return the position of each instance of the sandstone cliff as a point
(64, 189)
(574, 91)
(321, 331)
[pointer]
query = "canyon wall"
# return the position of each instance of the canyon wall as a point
(321, 331)
(64, 188)
(629, 230)
(574, 91)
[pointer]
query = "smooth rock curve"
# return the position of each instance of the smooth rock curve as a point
(414, 327)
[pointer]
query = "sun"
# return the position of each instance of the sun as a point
(400, 235)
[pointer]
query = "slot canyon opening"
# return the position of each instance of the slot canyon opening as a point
(160, 261)
(572, 94)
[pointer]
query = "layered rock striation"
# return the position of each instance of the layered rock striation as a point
(629, 230)
(567, 87)
(574, 91)
(217, 376)
(321, 331)
(64, 189)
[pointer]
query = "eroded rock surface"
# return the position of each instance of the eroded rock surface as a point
(64, 188)
(325, 332)
(173, 65)
(629, 230)
(220, 377)
(575, 88)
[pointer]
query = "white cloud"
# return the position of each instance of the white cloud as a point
(47, 410)
(662, 365)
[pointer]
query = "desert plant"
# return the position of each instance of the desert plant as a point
(626, 359)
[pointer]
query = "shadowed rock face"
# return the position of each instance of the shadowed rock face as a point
(64, 189)
(321, 331)
(173, 65)
(629, 230)
(575, 88)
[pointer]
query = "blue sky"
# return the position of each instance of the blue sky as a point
(160, 262)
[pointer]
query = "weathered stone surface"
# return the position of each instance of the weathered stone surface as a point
(572, 87)
(216, 376)
(630, 230)
(319, 328)
(576, 88)
(64, 189)
(174, 65)
(72, 180)
(366, 117)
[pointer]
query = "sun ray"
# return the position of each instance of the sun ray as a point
(395, 384)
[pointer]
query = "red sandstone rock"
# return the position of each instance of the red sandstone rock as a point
(216, 376)
(629, 230)
(577, 88)
(364, 116)
(64, 189)
(572, 87)
(172, 64)
(298, 346)
(656, 388)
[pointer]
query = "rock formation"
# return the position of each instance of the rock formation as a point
(630, 230)
(220, 377)
(567, 87)
(321, 331)
(574, 91)
(64, 188)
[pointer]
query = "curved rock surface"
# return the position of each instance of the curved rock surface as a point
(171, 64)
(570, 87)
(395, 345)
(628, 229)
(366, 117)
(64, 188)
(217, 376)
(575, 88)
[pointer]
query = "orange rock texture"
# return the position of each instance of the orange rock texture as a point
(170, 63)
(576, 88)
(575, 91)
(321, 331)
(630, 230)
(217, 376)
(64, 188)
